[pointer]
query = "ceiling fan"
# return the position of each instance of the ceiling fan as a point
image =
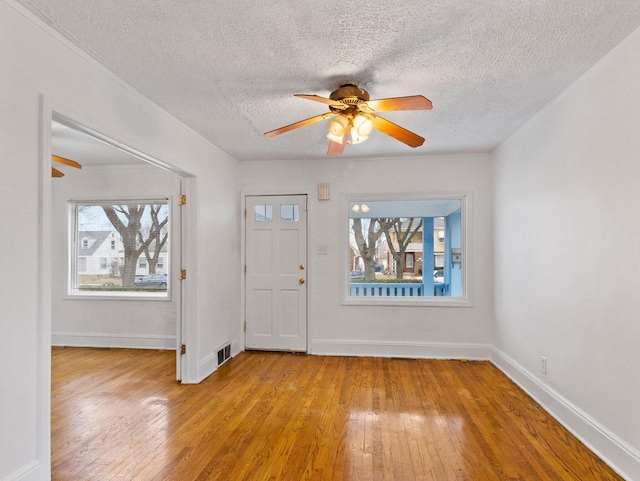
(61, 160)
(355, 116)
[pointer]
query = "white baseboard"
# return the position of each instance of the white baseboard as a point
(331, 347)
(624, 459)
(95, 339)
(29, 472)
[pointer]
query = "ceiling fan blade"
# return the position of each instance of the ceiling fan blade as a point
(69, 162)
(413, 102)
(397, 132)
(297, 125)
(336, 148)
(324, 100)
(56, 173)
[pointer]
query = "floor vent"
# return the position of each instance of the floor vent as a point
(224, 354)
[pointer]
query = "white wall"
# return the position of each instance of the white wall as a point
(35, 62)
(110, 322)
(567, 252)
(387, 331)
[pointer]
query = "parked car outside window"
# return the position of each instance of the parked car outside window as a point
(438, 276)
(357, 275)
(151, 280)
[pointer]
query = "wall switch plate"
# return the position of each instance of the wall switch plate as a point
(323, 250)
(543, 364)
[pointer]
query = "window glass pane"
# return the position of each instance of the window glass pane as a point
(263, 213)
(391, 256)
(126, 245)
(289, 212)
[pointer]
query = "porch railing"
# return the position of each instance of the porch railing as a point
(375, 289)
(366, 289)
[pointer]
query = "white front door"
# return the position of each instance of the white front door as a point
(276, 273)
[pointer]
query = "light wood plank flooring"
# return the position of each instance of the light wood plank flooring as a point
(117, 414)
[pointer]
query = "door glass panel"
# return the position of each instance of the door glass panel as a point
(289, 212)
(263, 213)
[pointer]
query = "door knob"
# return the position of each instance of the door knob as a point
(301, 267)
(300, 281)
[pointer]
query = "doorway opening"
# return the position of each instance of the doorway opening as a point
(116, 230)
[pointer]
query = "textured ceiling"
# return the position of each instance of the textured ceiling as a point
(229, 68)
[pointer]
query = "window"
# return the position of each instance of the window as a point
(408, 263)
(402, 250)
(289, 212)
(263, 213)
(143, 228)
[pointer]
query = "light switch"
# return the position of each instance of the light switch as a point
(323, 250)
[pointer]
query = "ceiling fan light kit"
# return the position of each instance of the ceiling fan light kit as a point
(354, 116)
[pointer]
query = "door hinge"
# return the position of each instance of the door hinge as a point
(183, 274)
(245, 326)
(245, 269)
(183, 349)
(245, 213)
(182, 200)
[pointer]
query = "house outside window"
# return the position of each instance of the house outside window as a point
(103, 263)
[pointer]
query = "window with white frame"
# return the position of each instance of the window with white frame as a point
(400, 250)
(119, 248)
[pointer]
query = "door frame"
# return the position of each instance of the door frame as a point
(242, 308)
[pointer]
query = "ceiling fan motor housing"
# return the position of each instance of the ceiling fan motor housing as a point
(349, 94)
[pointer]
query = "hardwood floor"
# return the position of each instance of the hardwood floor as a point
(119, 415)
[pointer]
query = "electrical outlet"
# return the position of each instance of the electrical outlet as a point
(543, 364)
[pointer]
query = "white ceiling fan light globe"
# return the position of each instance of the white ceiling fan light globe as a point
(337, 129)
(355, 137)
(363, 125)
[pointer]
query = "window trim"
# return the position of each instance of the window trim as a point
(466, 300)
(73, 243)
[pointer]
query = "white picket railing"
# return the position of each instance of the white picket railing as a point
(373, 289)
(377, 289)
